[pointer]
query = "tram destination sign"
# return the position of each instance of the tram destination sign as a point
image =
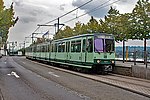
(106, 36)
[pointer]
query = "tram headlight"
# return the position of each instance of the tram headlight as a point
(98, 61)
(112, 61)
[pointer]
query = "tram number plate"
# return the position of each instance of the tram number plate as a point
(105, 55)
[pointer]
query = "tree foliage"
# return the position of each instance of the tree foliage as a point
(141, 20)
(93, 25)
(110, 23)
(135, 25)
(7, 20)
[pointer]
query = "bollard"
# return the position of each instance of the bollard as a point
(134, 56)
(146, 62)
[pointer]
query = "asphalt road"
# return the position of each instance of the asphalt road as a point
(22, 79)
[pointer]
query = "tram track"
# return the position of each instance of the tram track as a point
(131, 84)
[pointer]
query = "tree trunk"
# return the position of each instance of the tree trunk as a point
(145, 51)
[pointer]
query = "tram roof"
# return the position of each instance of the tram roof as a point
(73, 37)
(83, 35)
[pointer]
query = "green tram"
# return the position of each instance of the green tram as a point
(94, 52)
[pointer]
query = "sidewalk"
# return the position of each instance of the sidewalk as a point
(139, 86)
(129, 64)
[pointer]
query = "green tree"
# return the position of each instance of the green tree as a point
(109, 24)
(123, 25)
(93, 25)
(7, 20)
(84, 29)
(141, 22)
(77, 28)
(66, 32)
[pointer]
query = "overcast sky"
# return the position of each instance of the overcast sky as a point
(33, 12)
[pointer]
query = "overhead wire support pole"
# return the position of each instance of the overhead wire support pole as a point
(58, 26)
(33, 35)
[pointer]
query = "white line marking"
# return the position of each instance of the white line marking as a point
(13, 74)
(5, 62)
(9, 74)
(52, 73)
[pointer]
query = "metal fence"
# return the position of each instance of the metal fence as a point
(141, 64)
(132, 56)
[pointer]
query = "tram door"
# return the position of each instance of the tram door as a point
(87, 50)
(68, 50)
(84, 50)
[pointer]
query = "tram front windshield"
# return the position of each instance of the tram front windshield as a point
(104, 45)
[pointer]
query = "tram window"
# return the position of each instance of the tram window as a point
(109, 45)
(55, 50)
(34, 49)
(84, 46)
(43, 49)
(52, 48)
(72, 46)
(48, 48)
(78, 46)
(38, 48)
(63, 47)
(67, 46)
(31, 49)
(59, 47)
(90, 45)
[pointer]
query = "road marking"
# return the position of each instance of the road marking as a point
(5, 62)
(13, 74)
(52, 73)
(23, 62)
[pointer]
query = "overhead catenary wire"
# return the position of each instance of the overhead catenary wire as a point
(60, 16)
(69, 12)
(94, 9)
